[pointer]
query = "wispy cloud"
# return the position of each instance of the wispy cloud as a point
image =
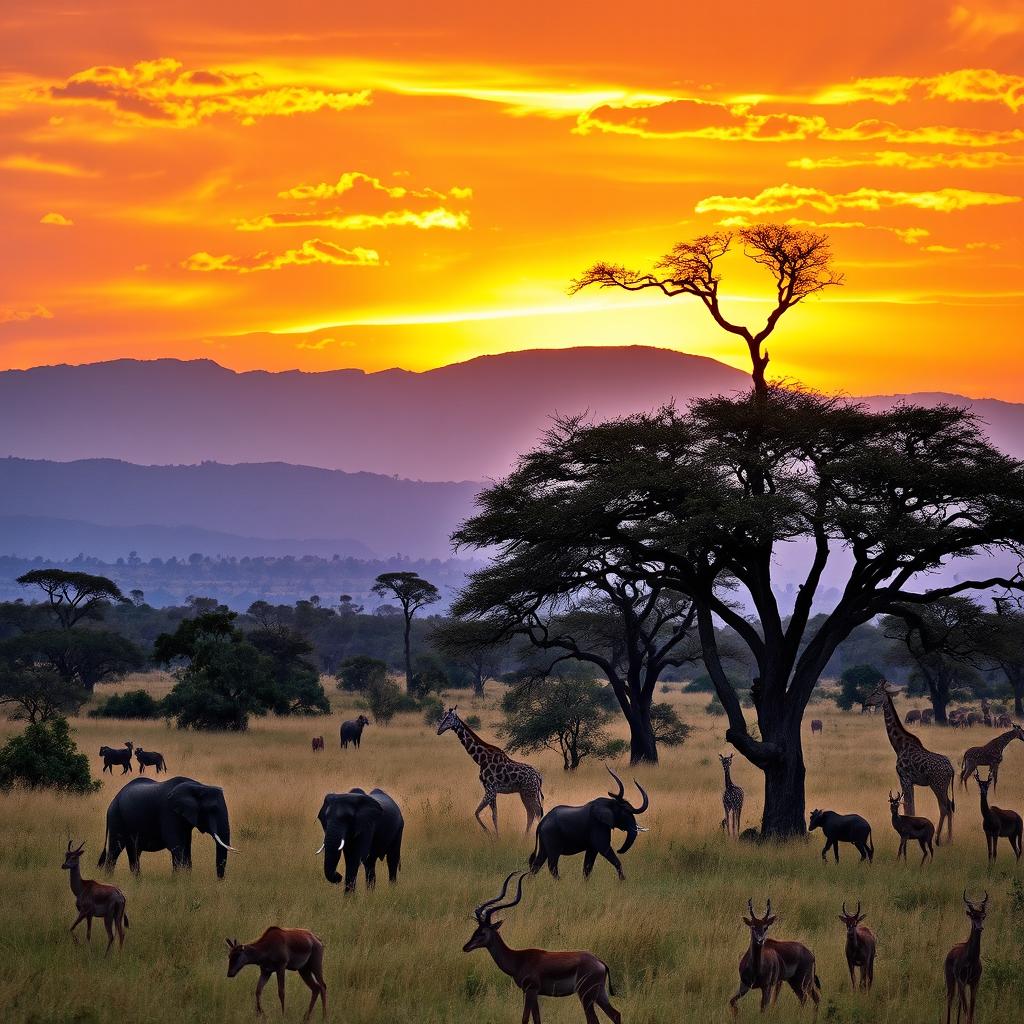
(17, 315)
(314, 250)
(57, 219)
(976, 161)
(34, 164)
(340, 221)
(350, 180)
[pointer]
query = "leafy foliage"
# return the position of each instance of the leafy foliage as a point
(73, 596)
(855, 685)
(38, 693)
(45, 755)
(358, 674)
(384, 699)
(132, 704)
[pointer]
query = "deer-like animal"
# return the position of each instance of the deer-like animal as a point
(539, 972)
(860, 948)
(768, 963)
(114, 755)
(910, 827)
(318, 743)
(95, 899)
(997, 823)
(816, 725)
(963, 965)
(278, 950)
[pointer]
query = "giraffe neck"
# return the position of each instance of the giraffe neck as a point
(728, 777)
(899, 737)
(475, 746)
(1000, 742)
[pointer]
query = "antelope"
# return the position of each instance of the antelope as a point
(278, 950)
(910, 827)
(539, 972)
(963, 965)
(318, 743)
(860, 948)
(998, 823)
(816, 725)
(95, 899)
(770, 962)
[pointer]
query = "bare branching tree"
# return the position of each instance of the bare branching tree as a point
(799, 261)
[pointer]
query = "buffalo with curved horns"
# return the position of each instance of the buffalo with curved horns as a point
(588, 830)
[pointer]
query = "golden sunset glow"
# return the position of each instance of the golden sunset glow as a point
(321, 185)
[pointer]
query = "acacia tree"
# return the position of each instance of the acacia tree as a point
(587, 604)
(413, 593)
(73, 596)
(798, 260)
(705, 502)
(1005, 647)
(940, 639)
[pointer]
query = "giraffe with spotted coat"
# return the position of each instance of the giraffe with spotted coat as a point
(916, 765)
(732, 798)
(498, 772)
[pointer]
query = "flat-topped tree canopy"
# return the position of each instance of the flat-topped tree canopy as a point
(73, 596)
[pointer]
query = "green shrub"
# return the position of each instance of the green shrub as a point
(384, 699)
(358, 674)
(45, 755)
(714, 707)
(433, 709)
(473, 721)
(133, 704)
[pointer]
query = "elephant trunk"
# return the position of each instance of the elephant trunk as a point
(334, 841)
(222, 832)
(631, 833)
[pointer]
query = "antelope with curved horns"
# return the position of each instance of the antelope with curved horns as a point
(963, 965)
(95, 899)
(539, 972)
(860, 948)
(767, 963)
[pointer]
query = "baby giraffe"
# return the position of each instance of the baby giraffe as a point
(95, 899)
(278, 950)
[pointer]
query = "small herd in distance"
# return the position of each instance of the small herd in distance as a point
(366, 828)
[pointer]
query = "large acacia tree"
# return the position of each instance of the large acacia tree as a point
(799, 261)
(413, 593)
(706, 502)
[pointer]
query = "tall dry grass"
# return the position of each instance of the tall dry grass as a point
(671, 933)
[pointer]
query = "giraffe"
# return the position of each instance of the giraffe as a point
(916, 765)
(732, 799)
(991, 754)
(498, 772)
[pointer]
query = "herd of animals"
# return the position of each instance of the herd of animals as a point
(148, 815)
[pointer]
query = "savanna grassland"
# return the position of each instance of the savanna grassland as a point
(671, 933)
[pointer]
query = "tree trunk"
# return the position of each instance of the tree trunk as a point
(643, 747)
(784, 778)
(408, 656)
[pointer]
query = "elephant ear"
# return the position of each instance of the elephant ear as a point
(602, 814)
(324, 808)
(184, 801)
(368, 813)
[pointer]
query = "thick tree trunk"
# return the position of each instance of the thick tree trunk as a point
(643, 747)
(408, 656)
(784, 778)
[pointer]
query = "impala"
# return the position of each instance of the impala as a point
(95, 899)
(278, 950)
(539, 972)
(963, 965)
(860, 948)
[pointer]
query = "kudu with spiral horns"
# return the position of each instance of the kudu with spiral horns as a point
(539, 972)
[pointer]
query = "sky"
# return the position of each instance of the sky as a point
(325, 185)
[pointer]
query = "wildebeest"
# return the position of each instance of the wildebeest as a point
(913, 716)
(151, 757)
(587, 829)
(843, 828)
(816, 725)
(352, 732)
(927, 716)
(114, 755)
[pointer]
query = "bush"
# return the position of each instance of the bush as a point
(433, 710)
(473, 721)
(702, 684)
(714, 707)
(855, 685)
(360, 673)
(384, 699)
(133, 704)
(669, 729)
(45, 755)
(429, 676)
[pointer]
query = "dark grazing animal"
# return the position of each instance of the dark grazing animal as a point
(352, 732)
(963, 965)
(912, 717)
(95, 899)
(365, 828)
(909, 827)
(278, 950)
(1003, 721)
(843, 828)
(927, 716)
(318, 743)
(151, 757)
(997, 823)
(588, 830)
(860, 948)
(115, 755)
(768, 963)
(816, 725)
(539, 972)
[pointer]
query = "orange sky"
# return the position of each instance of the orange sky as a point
(317, 185)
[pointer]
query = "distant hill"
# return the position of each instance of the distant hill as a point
(466, 421)
(369, 513)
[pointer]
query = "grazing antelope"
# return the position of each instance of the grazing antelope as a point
(998, 823)
(770, 962)
(732, 798)
(816, 725)
(963, 965)
(909, 827)
(860, 948)
(278, 950)
(95, 899)
(539, 972)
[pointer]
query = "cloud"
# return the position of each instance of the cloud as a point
(12, 315)
(314, 250)
(979, 161)
(322, 343)
(163, 92)
(33, 163)
(352, 179)
(781, 198)
(425, 220)
(56, 218)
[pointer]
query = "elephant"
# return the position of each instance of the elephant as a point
(352, 732)
(367, 828)
(147, 815)
(588, 829)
